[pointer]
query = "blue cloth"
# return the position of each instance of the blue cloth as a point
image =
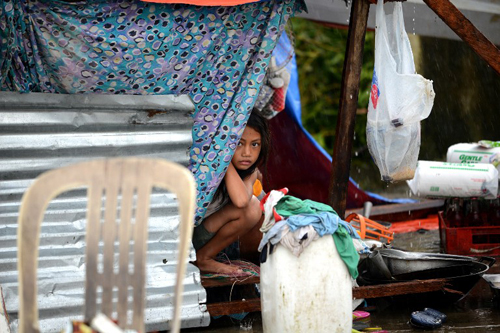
(328, 223)
(325, 223)
(273, 235)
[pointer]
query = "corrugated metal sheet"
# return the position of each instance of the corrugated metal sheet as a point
(39, 132)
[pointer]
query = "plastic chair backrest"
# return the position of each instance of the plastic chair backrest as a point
(125, 180)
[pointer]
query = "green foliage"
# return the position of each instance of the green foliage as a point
(320, 53)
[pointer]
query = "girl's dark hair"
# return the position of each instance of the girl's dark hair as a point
(258, 123)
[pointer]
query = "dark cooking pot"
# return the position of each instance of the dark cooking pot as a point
(390, 266)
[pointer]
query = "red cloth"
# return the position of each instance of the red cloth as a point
(430, 223)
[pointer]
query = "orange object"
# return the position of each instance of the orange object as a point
(429, 223)
(257, 188)
(368, 229)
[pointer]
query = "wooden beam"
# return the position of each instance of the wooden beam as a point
(401, 288)
(233, 307)
(212, 283)
(375, 291)
(466, 31)
(341, 161)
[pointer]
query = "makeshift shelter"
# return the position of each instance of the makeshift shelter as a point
(61, 67)
(64, 49)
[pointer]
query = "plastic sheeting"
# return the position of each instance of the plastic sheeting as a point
(208, 2)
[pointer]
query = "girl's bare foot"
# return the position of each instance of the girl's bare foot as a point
(212, 266)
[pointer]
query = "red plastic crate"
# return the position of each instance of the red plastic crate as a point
(473, 241)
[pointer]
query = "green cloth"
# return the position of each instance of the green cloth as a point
(346, 249)
(289, 205)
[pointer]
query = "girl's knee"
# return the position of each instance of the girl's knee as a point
(253, 212)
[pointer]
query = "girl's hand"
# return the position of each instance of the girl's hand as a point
(259, 174)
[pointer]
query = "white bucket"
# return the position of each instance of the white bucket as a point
(310, 293)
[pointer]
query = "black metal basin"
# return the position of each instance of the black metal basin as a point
(392, 266)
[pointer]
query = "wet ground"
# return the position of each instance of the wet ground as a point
(478, 312)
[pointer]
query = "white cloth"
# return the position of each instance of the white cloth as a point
(267, 204)
(298, 240)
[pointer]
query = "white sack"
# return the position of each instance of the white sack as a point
(465, 180)
(399, 99)
(473, 153)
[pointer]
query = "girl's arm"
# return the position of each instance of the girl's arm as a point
(239, 190)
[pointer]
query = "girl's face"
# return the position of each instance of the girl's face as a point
(248, 149)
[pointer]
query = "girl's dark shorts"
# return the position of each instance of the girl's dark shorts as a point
(201, 236)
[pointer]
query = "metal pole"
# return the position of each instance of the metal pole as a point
(341, 161)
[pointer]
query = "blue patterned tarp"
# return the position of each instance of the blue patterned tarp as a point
(208, 2)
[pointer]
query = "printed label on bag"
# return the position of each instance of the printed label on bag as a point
(473, 153)
(375, 93)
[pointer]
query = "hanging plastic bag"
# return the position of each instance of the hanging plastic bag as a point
(399, 99)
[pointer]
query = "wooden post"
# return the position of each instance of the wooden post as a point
(341, 161)
(466, 31)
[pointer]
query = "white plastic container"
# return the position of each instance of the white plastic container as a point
(310, 293)
(440, 179)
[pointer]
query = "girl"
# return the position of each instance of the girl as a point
(234, 211)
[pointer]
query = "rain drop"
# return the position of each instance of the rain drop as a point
(414, 20)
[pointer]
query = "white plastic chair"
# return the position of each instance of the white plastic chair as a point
(126, 178)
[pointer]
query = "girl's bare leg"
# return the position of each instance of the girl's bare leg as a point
(228, 224)
(249, 243)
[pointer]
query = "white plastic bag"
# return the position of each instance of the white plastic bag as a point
(464, 180)
(473, 153)
(399, 99)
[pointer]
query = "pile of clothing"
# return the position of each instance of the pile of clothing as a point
(295, 223)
